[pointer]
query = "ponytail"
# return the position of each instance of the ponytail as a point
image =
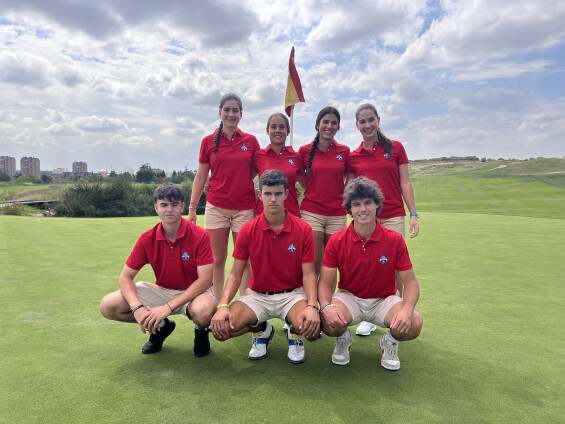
(312, 153)
(217, 137)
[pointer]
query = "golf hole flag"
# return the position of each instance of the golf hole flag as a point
(293, 87)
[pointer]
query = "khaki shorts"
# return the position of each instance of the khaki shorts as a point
(153, 295)
(398, 224)
(325, 224)
(216, 218)
(372, 310)
(267, 306)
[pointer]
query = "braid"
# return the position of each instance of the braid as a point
(217, 137)
(312, 153)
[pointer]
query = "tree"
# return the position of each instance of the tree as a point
(4, 176)
(145, 174)
(46, 179)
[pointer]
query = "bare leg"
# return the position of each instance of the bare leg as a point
(247, 273)
(219, 241)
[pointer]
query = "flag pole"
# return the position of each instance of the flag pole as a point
(291, 124)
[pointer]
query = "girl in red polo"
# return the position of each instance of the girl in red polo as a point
(227, 155)
(325, 161)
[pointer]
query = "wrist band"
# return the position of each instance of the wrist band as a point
(138, 307)
(415, 214)
(193, 203)
(313, 306)
(169, 307)
(326, 305)
(191, 207)
(222, 305)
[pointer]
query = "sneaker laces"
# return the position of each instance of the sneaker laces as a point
(298, 342)
(341, 346)
(256, 339)
(391, 351)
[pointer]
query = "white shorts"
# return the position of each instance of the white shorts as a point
(153, 295)
(267, 306)
(371, 310)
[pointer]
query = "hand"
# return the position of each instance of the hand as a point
(140, 316)
(298, 193)
(154, 316)
(402, 321)
(192, 215)
(221, 323)
(414, 226)
(309, 323)
(332, 317)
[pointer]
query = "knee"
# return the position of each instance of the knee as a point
(333, 330)
(202, 313)
(105, 308)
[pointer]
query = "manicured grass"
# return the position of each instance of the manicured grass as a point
(491, 349)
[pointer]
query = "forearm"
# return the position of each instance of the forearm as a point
(310, 289)
(230, 289)
(195, 289)
(198, 186)
(129, 291)
(408, 196)
(411, 294)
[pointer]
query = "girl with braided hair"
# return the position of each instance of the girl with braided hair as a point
(325, 163)
(227, 155)
(385, 162)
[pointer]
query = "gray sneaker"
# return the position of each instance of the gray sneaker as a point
(343, 343)
(390, 360)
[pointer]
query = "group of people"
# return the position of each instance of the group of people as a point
(286, 255)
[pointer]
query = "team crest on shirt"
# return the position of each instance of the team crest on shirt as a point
(339, 157)
(387, 155)
(244, 148)
(383, 259)
(291, 161)
(291, 248)
(185, 256)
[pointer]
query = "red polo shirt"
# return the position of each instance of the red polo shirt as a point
(324, 187)
(287, 161)
(230, 181)
(367, 272)
(174, 263)
(276, 259)
(382, 168)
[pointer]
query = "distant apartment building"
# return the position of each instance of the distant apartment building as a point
(8, 165)
(30, 166)
(80, 167)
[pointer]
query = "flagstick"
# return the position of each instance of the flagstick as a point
(291, 123)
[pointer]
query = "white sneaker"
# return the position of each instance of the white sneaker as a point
(296, 353)
(390, 360)
(260, 342)
(343, 343)
(365, 328)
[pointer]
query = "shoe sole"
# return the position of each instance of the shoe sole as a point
(339, 364)
(198, 355)
(251, 358)
(295, 362)
(390, 369)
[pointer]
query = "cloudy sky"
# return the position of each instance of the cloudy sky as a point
(121, 83)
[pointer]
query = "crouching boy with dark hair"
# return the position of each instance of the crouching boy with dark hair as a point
(367, 256)
(181, 257)
(281, 249)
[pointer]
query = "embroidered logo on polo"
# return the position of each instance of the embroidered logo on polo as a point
(185, 256)
(387, 155)
(383, 259)
(291, 248)
(291, 161)
(339, 157)
(244, 148)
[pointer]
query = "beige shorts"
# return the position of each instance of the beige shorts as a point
(398, 224)
(154, 295)
(216, 218)
(325, 224)
(372, 310)
(267, 306)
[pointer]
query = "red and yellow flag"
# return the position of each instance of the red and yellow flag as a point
(293, 87)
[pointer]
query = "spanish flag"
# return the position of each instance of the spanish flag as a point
(293, 87)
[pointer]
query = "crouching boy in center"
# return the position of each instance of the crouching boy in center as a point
(281, 250)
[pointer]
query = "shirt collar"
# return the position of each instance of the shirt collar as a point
(181, 233)
(269, 148)
(264, 225)
(376, 236)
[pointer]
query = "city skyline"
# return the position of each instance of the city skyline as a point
(119, 84)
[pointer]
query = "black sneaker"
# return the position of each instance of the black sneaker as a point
(156, 340)
(201, 342)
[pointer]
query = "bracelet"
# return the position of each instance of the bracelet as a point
(192, 207)
(313, 306)
(136, 308)
(193, 203)
(169, 307)
(415, 214)
(222, 305)
(326, 305)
